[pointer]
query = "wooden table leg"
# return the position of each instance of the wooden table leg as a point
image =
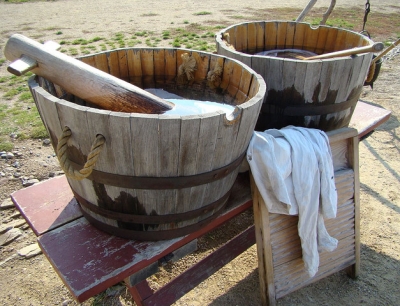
(140, 291)
(143, 295)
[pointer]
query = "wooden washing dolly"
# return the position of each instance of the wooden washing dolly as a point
(89, 261)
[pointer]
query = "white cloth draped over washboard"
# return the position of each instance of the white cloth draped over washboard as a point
(293, 170)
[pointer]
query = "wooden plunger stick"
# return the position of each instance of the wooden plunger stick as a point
(80, 79)
(371, 48)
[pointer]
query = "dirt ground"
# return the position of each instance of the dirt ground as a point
(34, 282)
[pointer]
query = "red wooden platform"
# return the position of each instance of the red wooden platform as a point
(89, 261)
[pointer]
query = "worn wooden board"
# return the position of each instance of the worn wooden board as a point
(367, 117)
(47, 205)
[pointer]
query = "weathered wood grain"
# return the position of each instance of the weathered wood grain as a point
(148, 148)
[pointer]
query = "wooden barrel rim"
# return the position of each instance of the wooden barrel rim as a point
(154, 183)
(151, 235)
(151, 219)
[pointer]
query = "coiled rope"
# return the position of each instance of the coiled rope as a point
(91, 160)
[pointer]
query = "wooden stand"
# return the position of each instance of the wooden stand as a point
(281, 268)
(89, 261)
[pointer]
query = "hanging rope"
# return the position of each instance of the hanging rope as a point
(91, 160)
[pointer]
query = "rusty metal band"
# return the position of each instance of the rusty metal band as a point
(152, 219)
(151, 235)
(175, 182)
(314, 109)
(310, 109)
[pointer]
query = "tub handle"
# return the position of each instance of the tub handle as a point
(87, 169)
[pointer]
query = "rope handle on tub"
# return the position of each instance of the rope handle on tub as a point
(65, 164)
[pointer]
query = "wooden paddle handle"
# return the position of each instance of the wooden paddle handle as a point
(386, 51)
(80, 79)
(376, 47)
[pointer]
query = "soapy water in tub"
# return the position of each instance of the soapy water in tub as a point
(184, 107)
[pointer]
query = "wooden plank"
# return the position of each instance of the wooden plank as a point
(183, 283)
(281, 34)
(98, 124)
(135, 66)
(321, 40)
(354, 270)
(367, 117)
(299, 35)
(270, 35)
(251, 37)
(101, 62)
(171, 67)
(169, 128)
(290, 32)
(232, 37)
(207, 138)
(282, 222)
(345, 79)
(145, 150)
(140, 291)
(147, 62)
(159, 65)
(58, 208)
(79, 273)
(226, 137)
(311, 85)
(260, 39)
(340, 41)
(341, 134)
(123, 64)
(189, 134)
(234, 80)
(288, 79)
(288, 272)
(46, 104)
(247, 122)
(258, 64)
(265, 263)
(113, 64)
(302, 279)
(310, 39)
(245, 83)
(331, 40)
(325, 79)
(240, 37)
(300, 77)
(90, 60)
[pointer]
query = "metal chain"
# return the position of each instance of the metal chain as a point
(367, 10)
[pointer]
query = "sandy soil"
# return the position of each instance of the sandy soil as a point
(34, 282)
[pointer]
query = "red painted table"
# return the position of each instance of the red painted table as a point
(89, 261)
